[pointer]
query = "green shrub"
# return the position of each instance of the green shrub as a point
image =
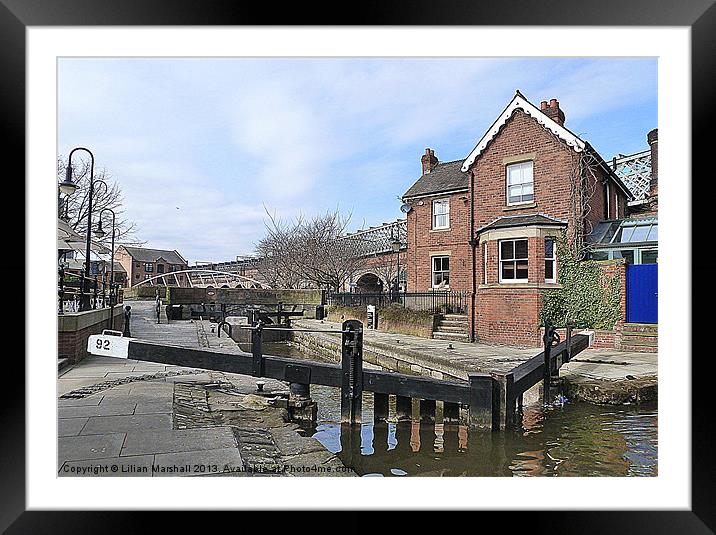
(585, 298)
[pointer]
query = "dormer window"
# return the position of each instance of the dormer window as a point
(441, 214)
(520, 183)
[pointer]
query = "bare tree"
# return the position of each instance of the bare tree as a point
(73, 208)
(308, 252)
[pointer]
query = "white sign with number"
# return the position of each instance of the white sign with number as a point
(108, 345)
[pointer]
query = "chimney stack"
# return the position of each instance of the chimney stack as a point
(653, 139)
(429, 161)
(551, 110)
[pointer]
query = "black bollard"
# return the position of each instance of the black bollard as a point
(127, 316)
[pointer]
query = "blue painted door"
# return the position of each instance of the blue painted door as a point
(641, 293)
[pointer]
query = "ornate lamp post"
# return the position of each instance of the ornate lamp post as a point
(100, 233)
(69, 187)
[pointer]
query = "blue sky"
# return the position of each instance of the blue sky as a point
(201, 146)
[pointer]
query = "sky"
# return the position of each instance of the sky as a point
(203, 148)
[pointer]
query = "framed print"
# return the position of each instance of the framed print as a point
(324, 256)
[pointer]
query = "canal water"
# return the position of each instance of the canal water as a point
(577, 439)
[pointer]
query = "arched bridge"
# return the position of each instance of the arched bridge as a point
(203, 278)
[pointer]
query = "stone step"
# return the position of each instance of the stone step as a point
(640, 349)
(455, 317)
(637, 342)
(62, 363)
(453, 323)
(451, 329)
(640, 336)
(641, 327)
(453, 337)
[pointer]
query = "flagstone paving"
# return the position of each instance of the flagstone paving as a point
(119, 417)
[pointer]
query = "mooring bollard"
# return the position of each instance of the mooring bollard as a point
(352, 377)
(257, 369)
(127, 316)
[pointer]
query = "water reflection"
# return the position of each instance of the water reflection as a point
(575, 440)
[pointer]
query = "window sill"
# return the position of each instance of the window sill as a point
(511, 207)
(519, 285)
(446, 229)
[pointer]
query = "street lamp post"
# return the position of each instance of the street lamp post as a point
(100, 233)
(69, 187)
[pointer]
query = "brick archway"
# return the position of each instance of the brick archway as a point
(369, 282)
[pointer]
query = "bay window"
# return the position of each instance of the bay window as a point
(513, 261)
(550, 261)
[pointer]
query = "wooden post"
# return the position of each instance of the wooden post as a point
(352, 372)
(547, 372)
(257, 369)
(480, 400)
(451, 413)
(380, 407)
(403, 408)
(569, 342)
(427, 410)
(380, 438)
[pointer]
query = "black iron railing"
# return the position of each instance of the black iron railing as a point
(436, 301)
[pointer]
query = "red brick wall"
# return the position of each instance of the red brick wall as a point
(509, 316)
(423, 240)
(73, 344)
(522, 135)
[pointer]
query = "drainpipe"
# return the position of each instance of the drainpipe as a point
(473, 244)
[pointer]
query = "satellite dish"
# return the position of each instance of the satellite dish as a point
(405, 208)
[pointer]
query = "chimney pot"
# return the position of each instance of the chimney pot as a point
(552, 110)
(428, 161)
(543, 105)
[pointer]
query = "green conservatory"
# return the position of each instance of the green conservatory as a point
(635, 240)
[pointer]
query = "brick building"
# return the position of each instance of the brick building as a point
(487, 224)
(142, 264)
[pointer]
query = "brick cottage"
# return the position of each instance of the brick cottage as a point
(487, 224)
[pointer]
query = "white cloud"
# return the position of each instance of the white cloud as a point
(220, 138)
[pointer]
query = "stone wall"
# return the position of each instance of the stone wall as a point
(73, 330)
(392, 319)
(144, 292)
(252, 296)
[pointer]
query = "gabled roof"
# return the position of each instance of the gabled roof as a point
(445, 176)
(140, 254)
(523, 221)
(521, 103)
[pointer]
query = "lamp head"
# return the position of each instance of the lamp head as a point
(68, 187)
(100, 233)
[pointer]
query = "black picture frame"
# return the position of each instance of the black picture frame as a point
(699, 15)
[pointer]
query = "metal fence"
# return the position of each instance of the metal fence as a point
(436, 302)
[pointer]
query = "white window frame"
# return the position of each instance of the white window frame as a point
(484, 269)
(149, 267)
(441, 202)
(433, 272)
(515, 260)
(553, 259)
(522, 184)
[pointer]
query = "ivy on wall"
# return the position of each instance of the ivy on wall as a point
(585, 299)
